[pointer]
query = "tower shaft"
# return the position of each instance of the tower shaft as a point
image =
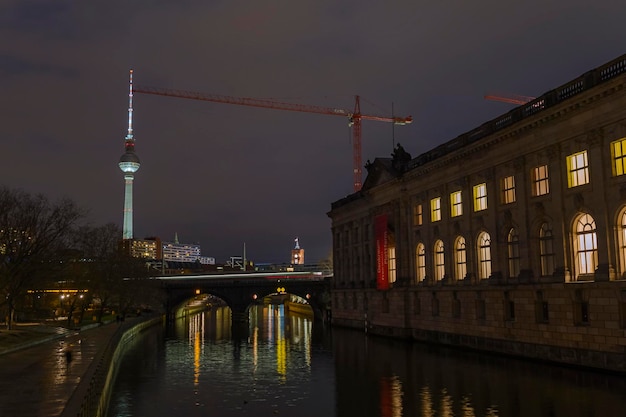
(128, 207)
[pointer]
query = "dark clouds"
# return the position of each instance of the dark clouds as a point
(222, 175)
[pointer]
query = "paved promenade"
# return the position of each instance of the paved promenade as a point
(38, 381)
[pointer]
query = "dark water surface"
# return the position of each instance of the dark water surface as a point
(285, 366)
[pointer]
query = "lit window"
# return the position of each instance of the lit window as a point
(577, 169)
(513, 252)
(541, 185)
(546, 251)
(460, 258)
(484, 255)
(618, 152)
(480, 197)
(508, 190)
(420, 269)
(392, 264)
(586, 245)
(440, 267)
(435, 209)
(456, 204)
(417, 215)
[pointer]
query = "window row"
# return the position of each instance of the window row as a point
(456, 205)
(585, 249)
(460, 258)
(577, 175)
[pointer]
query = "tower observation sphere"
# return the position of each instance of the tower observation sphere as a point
(129, 164)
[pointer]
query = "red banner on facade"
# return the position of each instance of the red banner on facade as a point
(382, 257)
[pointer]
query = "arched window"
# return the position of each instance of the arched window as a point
(586, 245)
(513, 253)
(622, 242)
(420, 262)
(440, 268)
(460, 258)
(484, 255)
(546, 249)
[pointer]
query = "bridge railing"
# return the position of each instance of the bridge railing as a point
(230, 278)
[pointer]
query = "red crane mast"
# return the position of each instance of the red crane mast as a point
(354, 117)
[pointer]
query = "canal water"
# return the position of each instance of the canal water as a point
(284, 365)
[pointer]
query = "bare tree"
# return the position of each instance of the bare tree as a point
(103, 261)
(97, 243)
(33, 233)
(115, 279)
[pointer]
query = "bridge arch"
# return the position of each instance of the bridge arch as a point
(240, 291)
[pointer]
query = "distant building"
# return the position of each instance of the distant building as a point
(180, 252)
(206, 260)
(148, 248)
(238, 262)
(184, 252)
(297, 254)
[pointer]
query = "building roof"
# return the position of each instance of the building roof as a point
(383, 169)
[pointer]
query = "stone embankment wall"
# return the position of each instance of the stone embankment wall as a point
(582, 324)
(92, 395)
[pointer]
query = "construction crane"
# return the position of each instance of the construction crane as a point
(513, 99)
(354, 116)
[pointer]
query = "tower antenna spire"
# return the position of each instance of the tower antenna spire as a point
(130, 108)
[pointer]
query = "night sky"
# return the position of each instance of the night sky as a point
(223, 175)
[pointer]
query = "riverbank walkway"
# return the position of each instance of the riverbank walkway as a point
(39, 376)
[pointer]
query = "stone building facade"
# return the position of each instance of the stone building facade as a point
(510, 238)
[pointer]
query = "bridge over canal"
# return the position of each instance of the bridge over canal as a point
(240, 290)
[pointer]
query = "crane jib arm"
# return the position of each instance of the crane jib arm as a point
(355, 117)
(268, 104)
(242, 101)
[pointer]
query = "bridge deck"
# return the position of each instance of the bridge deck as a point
(244, 276)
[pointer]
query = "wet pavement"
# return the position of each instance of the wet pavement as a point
(39, 380)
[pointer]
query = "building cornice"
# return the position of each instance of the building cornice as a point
(463, 150)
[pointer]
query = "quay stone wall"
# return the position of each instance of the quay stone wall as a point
(454, 317)
(92, 395)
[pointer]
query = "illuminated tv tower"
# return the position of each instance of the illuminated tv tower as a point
(129, 164)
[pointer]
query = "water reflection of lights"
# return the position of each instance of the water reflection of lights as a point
(446, 405)
(466, 407)
(284, 331)
(427, 402)
(301, 334)
(281, 358)
(279, 339)
(255, 348)
(196, 339)
(290, 334)
(391, 397)
(62, 367)
(492, 411)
